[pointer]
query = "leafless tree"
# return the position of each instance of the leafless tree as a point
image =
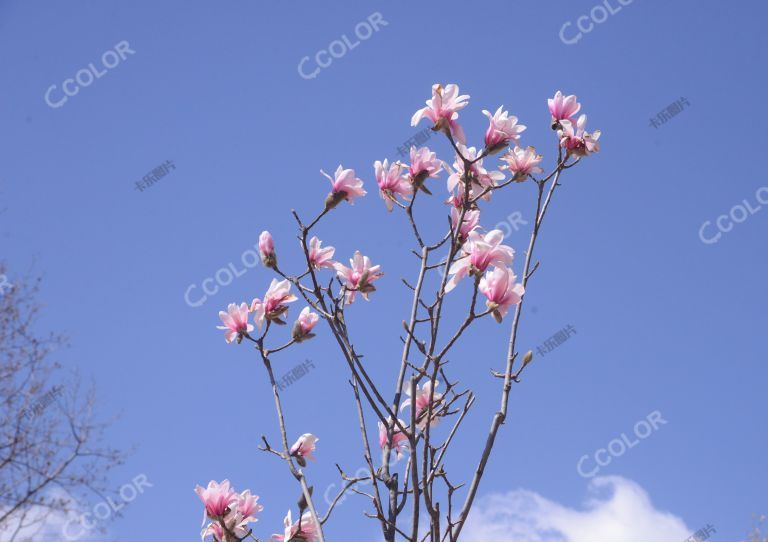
(51, 450)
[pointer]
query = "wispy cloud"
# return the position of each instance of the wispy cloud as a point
(42, 523)
(617, 510)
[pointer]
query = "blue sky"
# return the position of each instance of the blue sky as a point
(665, 322)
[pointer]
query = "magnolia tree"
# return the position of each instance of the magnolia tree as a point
(412, 499)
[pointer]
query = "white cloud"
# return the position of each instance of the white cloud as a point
(41, 523)
(38, 524)
(618, 510)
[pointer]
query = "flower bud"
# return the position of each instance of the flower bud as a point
(267, 250)
(528, 357)
(302, 449)
(302, 328)
(298, 333)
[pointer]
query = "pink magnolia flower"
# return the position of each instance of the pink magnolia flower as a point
(563, 107)
(479, 253)
(217, 498)
(235, 322)
(237, 519)
(456, 199)
(576, 140)
(302, 329)
(469, 224)
(213, 529)
(267, 249)
(302, 449)
(248, 506)
(320, 257)
(501, 290)
(522, 162)
(358, 277)
(399, 439)
(501, 130)
(273, 306)
(344, 186)
(443, 109)
(424, 164)
(391, 182)
(303, 530)
(422, 404)
(480, 176)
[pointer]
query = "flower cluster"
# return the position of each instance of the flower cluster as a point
(572, 133)
(230, 512)
(469, 178)
(479, 254)
(425, 400)
(272, 308)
